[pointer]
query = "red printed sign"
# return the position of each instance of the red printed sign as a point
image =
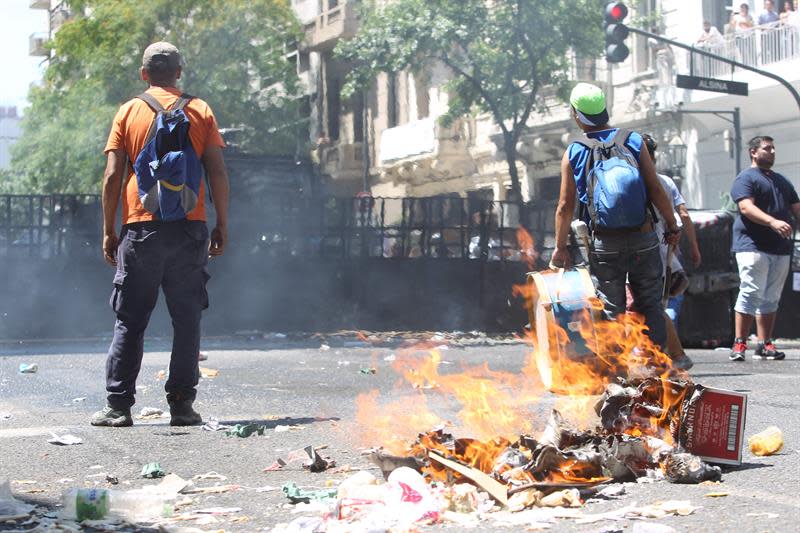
(713, 425)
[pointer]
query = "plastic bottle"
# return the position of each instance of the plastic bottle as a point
(767, 442)
(96, 504)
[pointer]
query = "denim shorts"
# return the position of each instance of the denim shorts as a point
(761, 278)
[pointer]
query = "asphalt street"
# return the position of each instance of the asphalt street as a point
(278, 382)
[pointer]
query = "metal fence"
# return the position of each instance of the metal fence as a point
(48, 225)
(443, 227)
(757, 47)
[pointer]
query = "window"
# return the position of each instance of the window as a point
(391, 100)
(643, 56)
(334, 104)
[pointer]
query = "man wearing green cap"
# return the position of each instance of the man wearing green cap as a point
(616, 184)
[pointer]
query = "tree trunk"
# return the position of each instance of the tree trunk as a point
(510, 147)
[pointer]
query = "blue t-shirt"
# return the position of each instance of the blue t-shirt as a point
(773, 194)
(578, 155)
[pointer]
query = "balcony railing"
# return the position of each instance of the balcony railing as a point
(758, 47)
(36, 44)
(337, 22)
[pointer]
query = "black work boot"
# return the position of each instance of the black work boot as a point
(110, 417)
(182, 414)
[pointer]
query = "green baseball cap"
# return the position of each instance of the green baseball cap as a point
(589, 103)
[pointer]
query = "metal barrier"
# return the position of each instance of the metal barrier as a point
(443, 227)
(48, 225)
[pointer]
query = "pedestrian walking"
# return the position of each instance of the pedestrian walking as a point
(158, 144)
(672, 268)
(615, 182)
(762, 242)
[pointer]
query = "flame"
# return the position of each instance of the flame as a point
(495, 407)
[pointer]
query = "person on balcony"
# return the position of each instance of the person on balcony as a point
(713, 41)
(788, 14)
(742, 24)
(710, 37)
(769, 15)
(742, 20)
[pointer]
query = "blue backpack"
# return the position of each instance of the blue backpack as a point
(168, 171)
(615, 190)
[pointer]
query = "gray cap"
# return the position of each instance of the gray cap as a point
(161, 56)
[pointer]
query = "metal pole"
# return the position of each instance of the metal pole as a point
(737, 140)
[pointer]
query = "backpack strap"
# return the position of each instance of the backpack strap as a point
(620, 138)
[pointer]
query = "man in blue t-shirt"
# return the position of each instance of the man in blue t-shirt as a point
(616, 254)
(762, 241)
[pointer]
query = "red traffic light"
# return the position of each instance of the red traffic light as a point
(616, 11)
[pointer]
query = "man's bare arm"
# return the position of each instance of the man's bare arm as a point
(750, 210)
(112, 186)
(220, 189)
(691, 234)
(564, 213)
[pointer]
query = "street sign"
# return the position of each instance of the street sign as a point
(711, 84)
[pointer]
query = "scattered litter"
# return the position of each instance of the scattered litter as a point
(4, 415)
(202, 356)
(149, 413)
(765, 515)
(265, 488)
(216, 489)
(245, 430)
(276, 465)
(391, 357)
(208, 372)
(95, 467)
(688, 468)
(218, 510)
(324, 347)
(112, 479)
(210, 475)
(298, 495)
(716, 494)
(169, 488)
(280, 428)
(656, 510)
(24, 482)
(343, 363)
(767, 442)
(152, 471)
(10, 507)
(214, 425)
(98, 503)
(368, 370)
(65, 440)
(161, 374)
(28, 368)
(79, 400)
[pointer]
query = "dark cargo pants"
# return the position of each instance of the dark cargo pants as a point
(635, 257)
(172, 256)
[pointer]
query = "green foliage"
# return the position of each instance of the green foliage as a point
(500, 53)
(234, 54)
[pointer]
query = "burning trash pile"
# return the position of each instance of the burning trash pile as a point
(620, 413)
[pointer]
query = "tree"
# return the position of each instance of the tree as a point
(501, 53)
(235, 55)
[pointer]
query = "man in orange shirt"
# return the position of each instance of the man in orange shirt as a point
(151, 253)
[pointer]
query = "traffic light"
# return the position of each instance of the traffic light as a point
(616, 32)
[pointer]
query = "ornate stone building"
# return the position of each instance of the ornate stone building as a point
(389, 141)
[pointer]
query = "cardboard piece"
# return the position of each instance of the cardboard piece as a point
(497, 490)
(712, 425)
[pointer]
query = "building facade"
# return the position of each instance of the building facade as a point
(388, 140)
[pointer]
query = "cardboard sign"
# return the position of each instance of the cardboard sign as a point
(712, 425)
